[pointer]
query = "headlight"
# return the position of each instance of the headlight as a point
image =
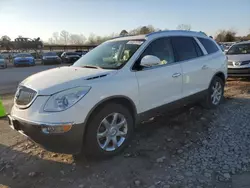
(44, 58)
(65, 99)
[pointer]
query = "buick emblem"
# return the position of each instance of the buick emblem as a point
(237, 63)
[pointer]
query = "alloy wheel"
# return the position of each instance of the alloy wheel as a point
(216, 93)
(112, 132)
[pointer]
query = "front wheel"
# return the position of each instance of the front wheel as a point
(215, 93)
(108, 131)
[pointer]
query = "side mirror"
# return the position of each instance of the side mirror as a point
(150, 60)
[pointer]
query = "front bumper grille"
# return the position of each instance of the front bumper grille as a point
(24, 96)
(23, 60)
(230, 63)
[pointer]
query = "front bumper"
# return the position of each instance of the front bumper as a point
(23, 63)
(69, 142)
(239, 72)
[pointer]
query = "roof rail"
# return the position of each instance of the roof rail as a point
(123, 36)
(166, 31)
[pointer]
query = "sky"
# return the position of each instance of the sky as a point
(40, 18)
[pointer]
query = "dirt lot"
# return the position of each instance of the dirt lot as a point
(163, 152)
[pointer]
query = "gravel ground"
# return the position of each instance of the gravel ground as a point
(191, 147)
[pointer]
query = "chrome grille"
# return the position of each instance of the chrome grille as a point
(245, 62)
(24, 96)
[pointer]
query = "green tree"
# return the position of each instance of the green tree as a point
(144, 30)
(226, 36)
(5, 38)
(123, 32)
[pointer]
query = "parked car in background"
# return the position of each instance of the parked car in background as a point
(70, 57)
(81, 53)
(222, 46)
(95, 105)
(239, 59)
(3, 62)
(24, 59)
(59, 53)
(51, 58)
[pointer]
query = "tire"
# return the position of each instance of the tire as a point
(92, 145)
(208, 102)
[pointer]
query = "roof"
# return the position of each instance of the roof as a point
(161, 33)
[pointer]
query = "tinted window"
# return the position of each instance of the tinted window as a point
(185, 48)
(72, 53)
(162, 49)
(50, 54)
(198, 49)
(209, 45)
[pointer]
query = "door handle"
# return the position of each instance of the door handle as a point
(175, 75)
(204, 67)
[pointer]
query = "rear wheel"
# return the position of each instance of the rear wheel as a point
(108, 131)
(215, 93)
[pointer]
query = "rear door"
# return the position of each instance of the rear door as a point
(214, 59)
(190, 56)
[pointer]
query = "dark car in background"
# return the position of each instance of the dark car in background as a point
(70, 57)
(51, 58)
(81, 53)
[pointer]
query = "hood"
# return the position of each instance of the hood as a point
(58, 79)
(239, 57)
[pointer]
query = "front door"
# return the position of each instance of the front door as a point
(160, 84)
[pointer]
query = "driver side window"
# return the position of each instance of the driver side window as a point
(162, 49)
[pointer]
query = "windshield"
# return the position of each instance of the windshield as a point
(50, 54)
(110, 55)
(239, 49)
(1, 57)
(23, 55)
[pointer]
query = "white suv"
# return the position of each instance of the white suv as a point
(94, 105)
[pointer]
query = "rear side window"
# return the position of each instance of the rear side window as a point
(198, 49)
(209, 45)
(185, 48)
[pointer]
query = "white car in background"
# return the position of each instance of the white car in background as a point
(95, 104)
(239, 60)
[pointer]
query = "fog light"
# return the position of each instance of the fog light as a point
(56, 129)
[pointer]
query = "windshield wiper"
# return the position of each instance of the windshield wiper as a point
(91, 66)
